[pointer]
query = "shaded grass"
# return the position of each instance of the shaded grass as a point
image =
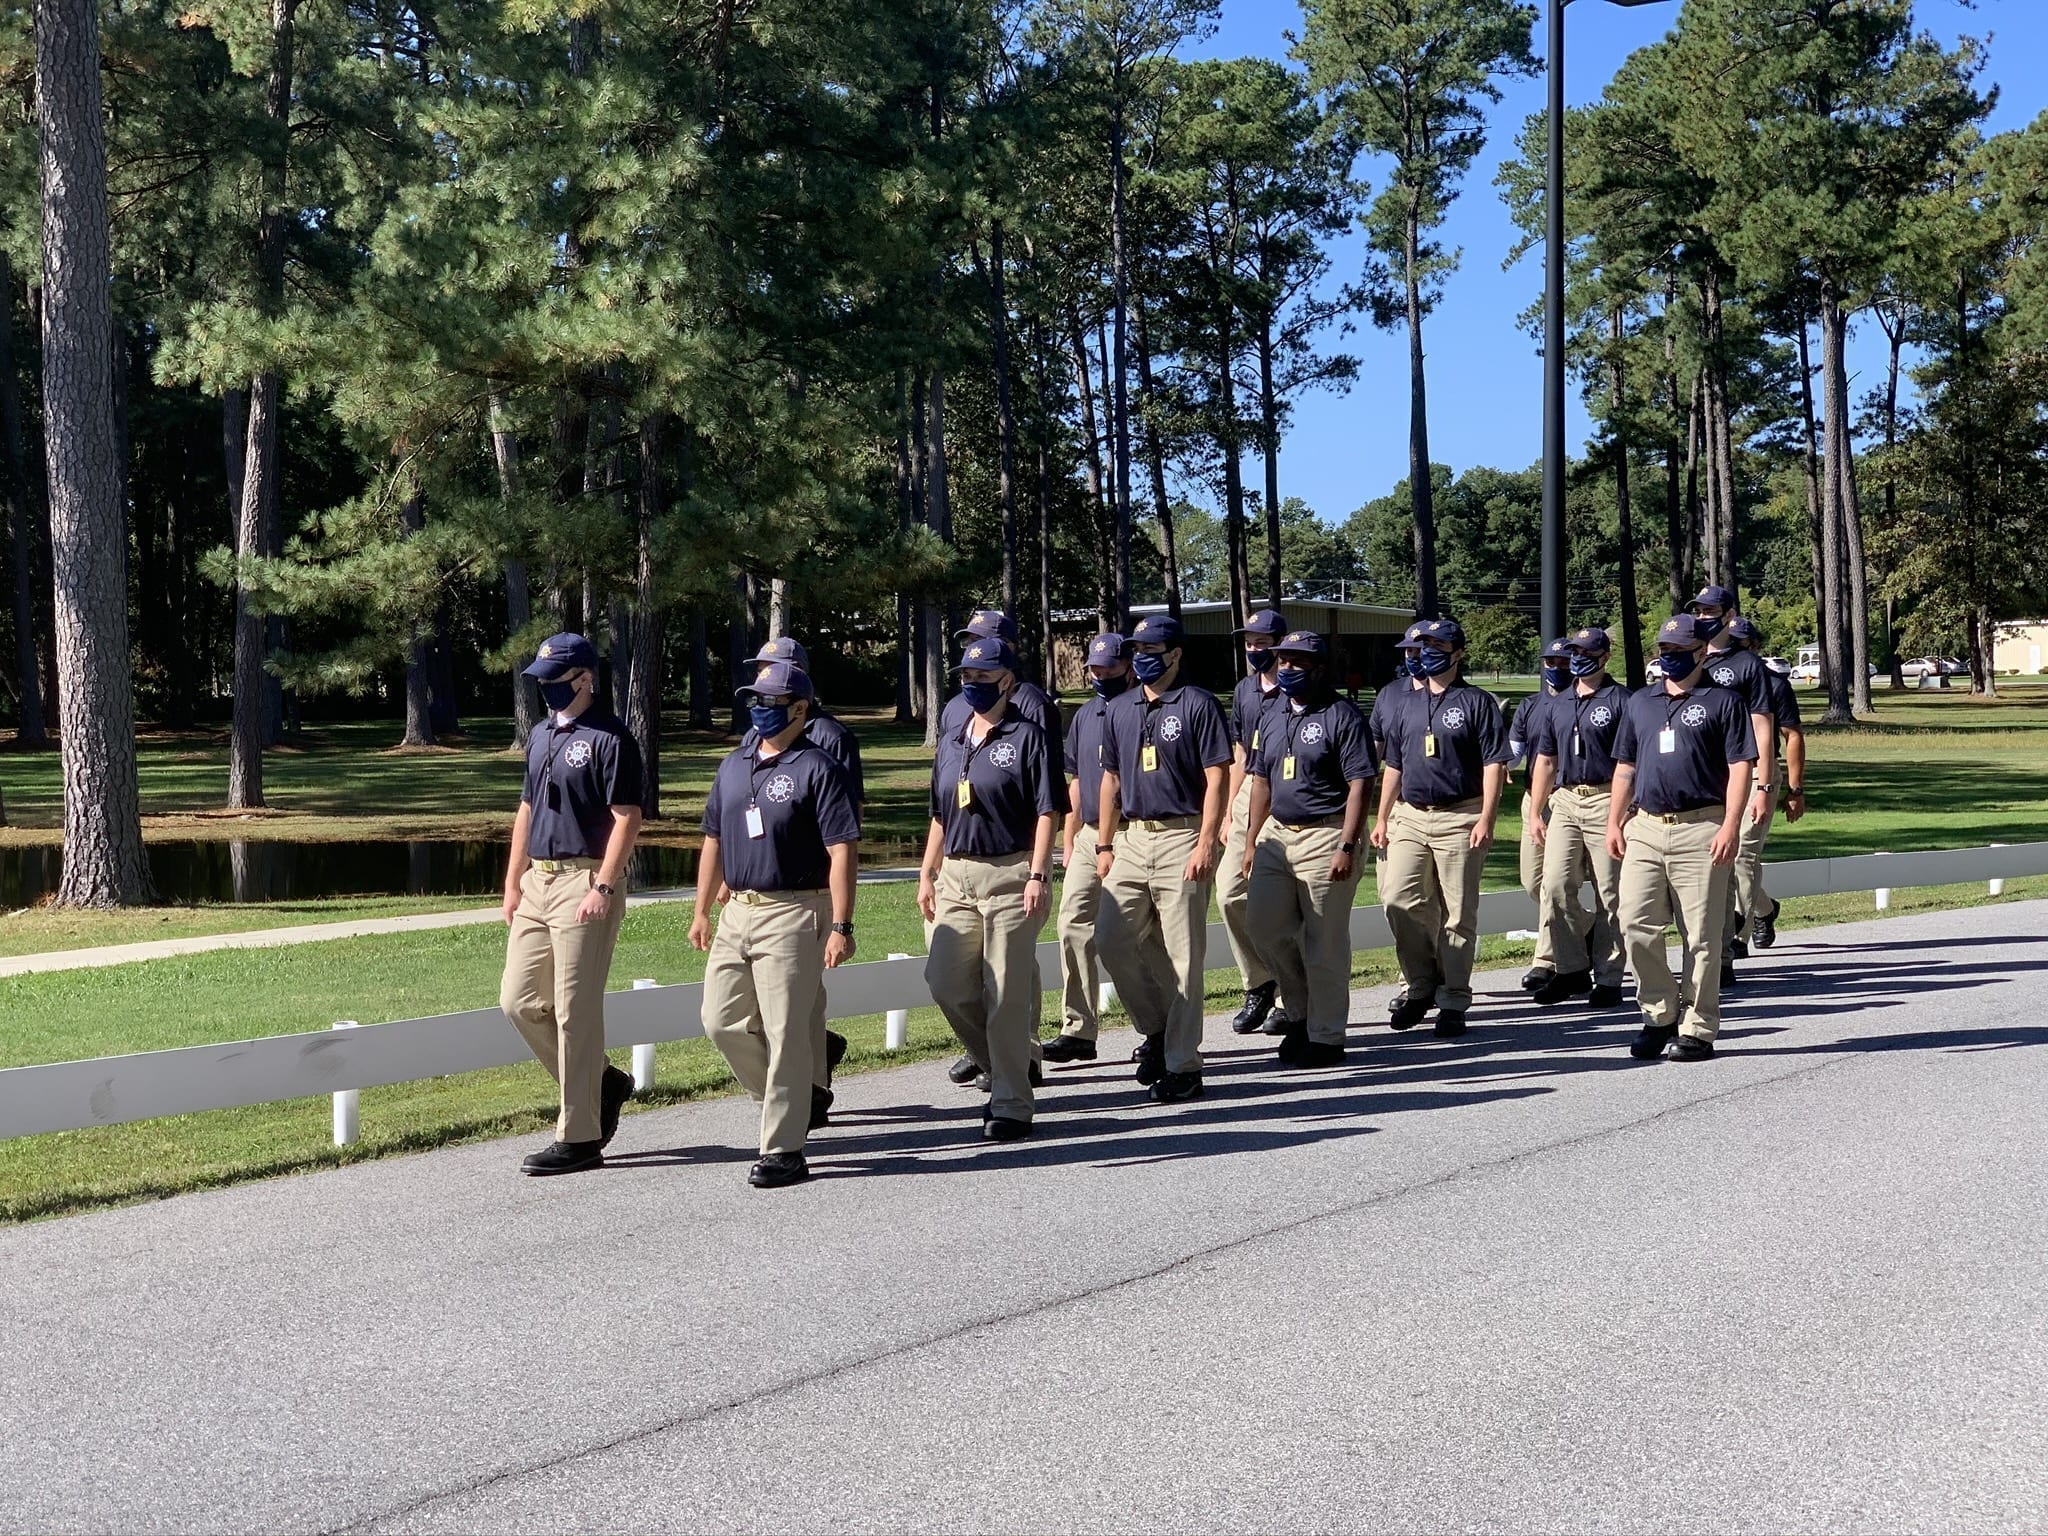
(45, 930)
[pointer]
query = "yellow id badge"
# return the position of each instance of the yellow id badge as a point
(1255, 738)
(963, 794)
(1287, 767)
(1149, 758)
(1429, 744)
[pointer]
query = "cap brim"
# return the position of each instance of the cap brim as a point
(549, 668)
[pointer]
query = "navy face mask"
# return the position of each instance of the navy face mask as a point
(1110, 687)
(1677, 665)
(768, 720)
(1585, 666)
(982, 697)
(1433, 662)
(1261, 661)
(1706, 629)
(1557, 675)
(1411, 666)
(1295, 681)
(558, 696)
(1149, 666)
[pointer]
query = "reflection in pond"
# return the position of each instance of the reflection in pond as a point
(191, 872)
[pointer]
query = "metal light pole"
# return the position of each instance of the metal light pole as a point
(1553, 558)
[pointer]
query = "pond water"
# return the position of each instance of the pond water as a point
(189, 872)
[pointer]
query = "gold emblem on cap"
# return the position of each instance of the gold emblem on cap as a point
(546, 649)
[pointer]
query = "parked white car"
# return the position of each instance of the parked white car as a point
(1933, 666)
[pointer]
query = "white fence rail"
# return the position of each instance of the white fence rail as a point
(111, 1090)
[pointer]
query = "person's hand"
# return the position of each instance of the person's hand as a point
(1482, 833)
(1379, 834)
(1760, 808)
(1037, 898)
(1105, 858)
(594, 905)
(1539, 829)
(1202, 863)
(1066, 851)
(700, 930)
(1617, 841)
(1726, 841)
(722, 895)
(510, 904)
(1340, 866)
(838, 950)
(927, 896)
(1795, 807)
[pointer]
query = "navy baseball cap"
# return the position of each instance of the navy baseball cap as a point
(1158, 629)
(1106, 649)
(1558, 650)
(1680, 629)
(1303, 642)
(1410, 641)
(785, 649)
(1712, 597)
(1745, 631)
(988, 654)
(1265, 622)
(1593, 642)
(777, 679)
(562, 654)
(1446, 630)
(989, 624)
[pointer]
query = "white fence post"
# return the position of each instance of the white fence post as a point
(1105, 994)
(348, 1125)
(1997, 887)
(897, 1019)
(643, 1055)
(1884, 892)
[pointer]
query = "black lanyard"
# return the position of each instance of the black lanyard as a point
(1152, 708)
(1293, 722)
(1671, 709)
(754, 768)
(1433, 703)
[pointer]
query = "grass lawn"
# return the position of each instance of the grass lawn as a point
(44, 930)
(240, 994)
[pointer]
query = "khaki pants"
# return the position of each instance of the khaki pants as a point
(555, 969)
(983, 973)
(1746, 893)
(1152, 934)
(1233, 891)
(1431, 889)
(1302, 919)
(1080, 896)
(761, 983)
(1531, 860)
(1575, 851)
(1669, 874)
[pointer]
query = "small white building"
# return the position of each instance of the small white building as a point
(2022, 647)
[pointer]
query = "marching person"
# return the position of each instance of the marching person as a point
(1311, 777)
(1401, 690)
(1043, 711)
(781, 831)
(1791, 741)
(1729, 666)
(823, 730)
(565, 897)
(1570, 789)
(1109, 674)
(1447, 756)
(1165, 787)
(1682, 763)
(1256, 693)
(985, 882)
(1522, 728)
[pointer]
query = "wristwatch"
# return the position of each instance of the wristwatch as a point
(844, 930)
(1794, 789)
(1347, 847)
(603, 890)
(1035, 875)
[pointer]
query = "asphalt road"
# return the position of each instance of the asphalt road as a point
(1511, 1283)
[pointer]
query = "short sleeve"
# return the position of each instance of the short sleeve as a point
(1255, 763)
(1068, 760)
(832, 803)
(1741, 737)
(1541, 740)
(1045, 783)
(1055, 750)
(1212, 737)
(1787, 702)
(624, 780)
(1493, 733)
(856, 778)
(710, 822)
(1390, 743)
(1625, 736)
(1354, 746)
(530, 793)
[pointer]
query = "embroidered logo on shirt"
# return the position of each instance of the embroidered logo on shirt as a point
(1002, 755)
(1694, 714)
(781, 787)
(1453, 718)
(1169, 727)
(1602, 715)
(577, 753)
(1725, 676)
(1312, 732)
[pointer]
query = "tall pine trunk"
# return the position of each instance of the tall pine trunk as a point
(643, 712)
(1118, 392)
(1045, 653)
(1625, 528)
(1823, 615)
(1006, 420)
(701, 717)
(1421, 487)
(1269, 449)
(1834, 649)
(939, 514)
(906, 518)
(1091, 466)
(104, 861)
(419, 701)
(1895, 336)
(518, 590)
(1155, 458)
(24, 523)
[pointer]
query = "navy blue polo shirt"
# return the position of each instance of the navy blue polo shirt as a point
(829, 735)
(1526, 721)
(1088, 752)
(1396, 696)
(1030, 701)
(575, 774)
(1330, 747)
(1010, 784)
(805, 803)
(1742, 673)
(1469, 735)
(1249, 705)
(1709, 730)
(1784, 704)
(1578, 730)
(1187, 734)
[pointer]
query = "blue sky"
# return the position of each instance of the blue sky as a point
(1485, 378)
